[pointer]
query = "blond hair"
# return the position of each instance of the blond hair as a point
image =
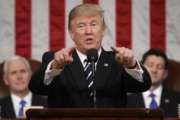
(86, 10)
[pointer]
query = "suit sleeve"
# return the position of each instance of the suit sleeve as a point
(36, 84)
(133, 85)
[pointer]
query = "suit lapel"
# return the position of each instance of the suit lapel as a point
(77, 71)
(165, 100)
(103, 69)
(10, 109)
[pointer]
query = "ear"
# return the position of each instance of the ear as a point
(5, 80)
(104, 31)
(165, 74)
(71, 33)
(30, 74)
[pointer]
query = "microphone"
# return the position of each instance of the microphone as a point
(92, 57)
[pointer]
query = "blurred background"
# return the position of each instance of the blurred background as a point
(31, 27)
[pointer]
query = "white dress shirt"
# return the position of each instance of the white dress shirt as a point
(51, 73)
(16, 100)
(147, 98)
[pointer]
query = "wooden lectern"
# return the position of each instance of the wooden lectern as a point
(94, 114)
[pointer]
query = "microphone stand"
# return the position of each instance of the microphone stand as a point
(94, 87)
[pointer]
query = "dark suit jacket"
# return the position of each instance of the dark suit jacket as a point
(7, 109)
(70, 89)
(169, 102)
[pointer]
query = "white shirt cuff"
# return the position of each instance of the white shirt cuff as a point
(136, 73)
(50, 74)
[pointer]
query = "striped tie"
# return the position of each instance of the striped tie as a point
(88, 74)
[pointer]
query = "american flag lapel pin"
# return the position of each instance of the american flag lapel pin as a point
(166, 100)
(106, 64)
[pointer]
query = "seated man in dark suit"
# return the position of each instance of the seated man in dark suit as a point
(17, 74)
(67, 76)
(158, 95)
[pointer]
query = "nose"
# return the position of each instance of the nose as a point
(154, 69)
(88, 29)
(19, 76)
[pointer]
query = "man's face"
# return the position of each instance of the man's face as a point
(156, 67)
(18, 76)
(87, 32)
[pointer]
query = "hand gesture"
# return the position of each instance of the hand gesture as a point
(62, 57)
(124, 56)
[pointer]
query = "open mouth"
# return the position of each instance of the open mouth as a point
(89, 40)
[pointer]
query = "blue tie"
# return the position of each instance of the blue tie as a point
(21, 109)
(153, 103)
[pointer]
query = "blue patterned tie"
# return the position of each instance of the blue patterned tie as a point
(153, 103)
(21, 109)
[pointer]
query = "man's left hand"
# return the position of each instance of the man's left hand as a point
(125, 57)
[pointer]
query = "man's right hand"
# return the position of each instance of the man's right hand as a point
(62, 57)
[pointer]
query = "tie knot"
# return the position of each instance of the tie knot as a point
(85, 61)
(22, 102)
(152, 95)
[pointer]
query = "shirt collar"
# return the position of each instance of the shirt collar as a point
(157, 92)
(27, 98)
(16, 99)
(83, 56)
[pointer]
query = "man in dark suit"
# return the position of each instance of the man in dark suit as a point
(63, 75)
(156, 63)
(17, 74)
